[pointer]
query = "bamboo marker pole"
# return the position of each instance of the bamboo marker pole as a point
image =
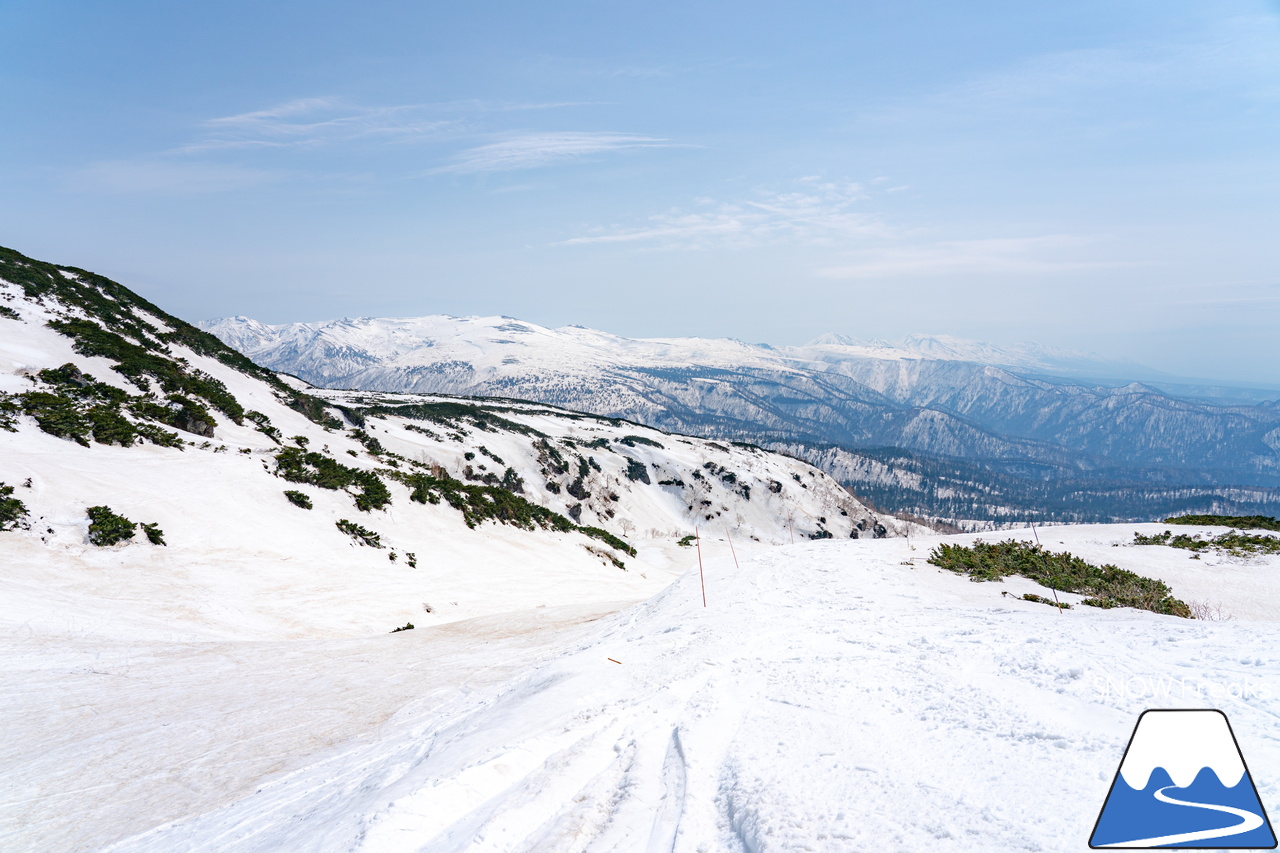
(701, 576)
(731, 549)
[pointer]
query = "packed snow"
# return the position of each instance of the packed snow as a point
(833, 695)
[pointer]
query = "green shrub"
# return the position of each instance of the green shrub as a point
(10, 408)
(1061, 571)
(408, 626)
(494, 503)
(153, 533)
(512, 482)
(633, 440)
(1040, 599)
(12, 510)
(298, 498)
(687, 541)
(362, 535)
(1239, 522)
(637, 471)
(110, 427)
(57, 415)
(6, 311)
(609, 539)
(451, 414)
(157, 435)
(370, 443)
(1235, 543)
(300, 466)
(262, 424)
(107, 528)
(118, 308)
(141, 363)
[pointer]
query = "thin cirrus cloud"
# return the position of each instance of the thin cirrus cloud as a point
(314, 121)
(1044, 254)
(816, 213)
(534, 150)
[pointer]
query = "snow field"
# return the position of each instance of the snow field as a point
(107, 738)
(829, 698)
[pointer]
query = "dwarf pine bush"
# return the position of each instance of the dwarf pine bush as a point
(362, 535)
(1106, 586)
(153, 533)
(12, 510)
(107, 528)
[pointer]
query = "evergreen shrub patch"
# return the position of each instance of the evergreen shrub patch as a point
(1234, 543)
(1239, 522)
(301, 466)
(107, 528)
(633, 440)
(298, 498)
(494, 503)
(637, 470)
(362, 535)
(12, 510)
(153, 533)
(1066, 572)
(137, 345)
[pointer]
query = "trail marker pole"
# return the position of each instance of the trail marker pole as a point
(791, 529)
(701, 576)
(1046, 565)
(731, 550)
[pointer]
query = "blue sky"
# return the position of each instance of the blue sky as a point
(1095, 175)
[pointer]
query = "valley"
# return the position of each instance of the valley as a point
(926, 427)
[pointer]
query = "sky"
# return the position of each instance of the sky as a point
(1101, 175)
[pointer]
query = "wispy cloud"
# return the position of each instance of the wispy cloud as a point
(1048, 253)
(531, 150)
(166, 176)
(817, 212)
(313, 121)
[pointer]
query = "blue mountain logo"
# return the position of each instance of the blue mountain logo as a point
(1183, 783)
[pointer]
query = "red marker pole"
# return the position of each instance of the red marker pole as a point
(731, 550)
(701, 576)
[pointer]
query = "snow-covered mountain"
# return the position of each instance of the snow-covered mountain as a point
(379, 509)
(996, 408)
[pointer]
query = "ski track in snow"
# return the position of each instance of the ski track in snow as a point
(830, 698)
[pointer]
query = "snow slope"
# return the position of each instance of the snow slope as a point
(831, 696)
(241, 561)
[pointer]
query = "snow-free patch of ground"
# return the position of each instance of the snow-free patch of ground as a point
(834, 695)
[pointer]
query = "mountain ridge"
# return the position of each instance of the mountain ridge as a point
(827, 394)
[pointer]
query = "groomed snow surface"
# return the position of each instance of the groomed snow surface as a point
(832, 695)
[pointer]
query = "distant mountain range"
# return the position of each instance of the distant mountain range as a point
(960, 431)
